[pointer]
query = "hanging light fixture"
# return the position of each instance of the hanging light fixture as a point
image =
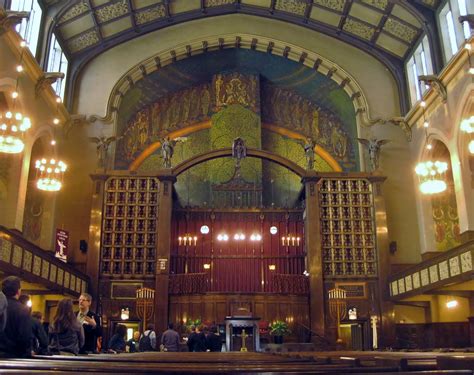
(50, 173)
(13, 124)
(431, 173)
(432, 176)
(467, 126)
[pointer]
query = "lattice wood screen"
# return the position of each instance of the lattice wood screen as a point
(347, 228)
(129, 227)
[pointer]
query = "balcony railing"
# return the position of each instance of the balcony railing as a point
(31, 263)
(449, 267)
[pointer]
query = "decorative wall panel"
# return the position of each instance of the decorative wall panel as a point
(347, 228)
(129, 227)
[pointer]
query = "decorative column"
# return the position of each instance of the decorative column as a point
(95, 232)
(163, 248)
(387, 325)
(313, 251)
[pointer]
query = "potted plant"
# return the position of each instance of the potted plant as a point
(278, 329)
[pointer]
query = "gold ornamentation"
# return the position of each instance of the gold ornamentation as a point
(73, 283)
(235, 88)
(408, 283)
(112, 11)
(434, 273)
(36, 265)
(215, 3)
(67, 277)
(45, 270)
(400, 30)
(332, 4)
(443, 270)
(358, 28)
(5, 250)
(416, 280)
(83, 41)
(74, 11)
(53, 273)
(381, 4)
(150, 14)
(59, 280)
(401, 286)
(425, 280)
(27, 260)
(394, 288)
(78, 285)
(454, 268)
(17, 253)
(291, 6)
(466, 262)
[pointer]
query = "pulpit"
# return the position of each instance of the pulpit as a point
(242, 333)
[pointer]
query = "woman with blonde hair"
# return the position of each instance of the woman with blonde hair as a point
(66, 335)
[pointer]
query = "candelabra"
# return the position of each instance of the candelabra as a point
(145, 299)
(337, 308)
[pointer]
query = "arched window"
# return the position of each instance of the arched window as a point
(419, 63)
(453, 33)
(29, 28)
(57, 62)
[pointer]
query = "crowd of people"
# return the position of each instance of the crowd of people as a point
(22, 332)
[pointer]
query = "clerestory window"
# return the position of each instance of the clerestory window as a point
(419, 63)
(29, 27)
(57, 62)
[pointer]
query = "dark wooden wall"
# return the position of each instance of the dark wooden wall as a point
(433, 335)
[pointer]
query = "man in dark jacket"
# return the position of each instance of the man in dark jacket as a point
(3, 311)
(90, 322)
(170, 339)
(15, 341)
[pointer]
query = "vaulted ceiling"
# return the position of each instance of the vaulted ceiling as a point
(388, 27)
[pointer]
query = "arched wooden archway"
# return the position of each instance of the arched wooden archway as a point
(226, 152)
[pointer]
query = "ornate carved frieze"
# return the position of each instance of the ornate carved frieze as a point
(150, 14)
(74, 11)
(292, 6)
(83, 41)
(332, 4)
(360, 29)
(400, 30)
(111, 11)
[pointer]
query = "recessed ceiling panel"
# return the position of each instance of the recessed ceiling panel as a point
(297, 7)
(358, 28)
(73, 12)
(400, 29)
(83, 41)
(115, 27)
(150, 14)
(77, 26)
(380, 4)
(337, 5)
(111, 11)
(393, 45)
(96, 3)
(404, 15)
(365, 13)
(180, 6)
(138, 4)
(258, 3)
(325, 16)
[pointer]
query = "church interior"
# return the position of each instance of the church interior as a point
(244, 163)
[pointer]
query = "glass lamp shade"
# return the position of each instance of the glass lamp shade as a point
(431, 174)
(50, 174)
(12, 128)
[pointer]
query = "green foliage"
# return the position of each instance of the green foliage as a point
(279, 328)
(191, 322)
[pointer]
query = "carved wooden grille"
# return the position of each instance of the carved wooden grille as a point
(347, 228)
(129, 227)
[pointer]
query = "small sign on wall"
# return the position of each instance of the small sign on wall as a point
(162, 265)
(62, 243)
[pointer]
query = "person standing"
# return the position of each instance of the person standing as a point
(170, 339)
(117, 342)
(15, 340)
(147, 341)
(132, 344)
(40, 338)
(90, 322)
(66, 333)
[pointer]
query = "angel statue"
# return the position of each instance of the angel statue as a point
(103, 144)
(167, 149)
(373, 147)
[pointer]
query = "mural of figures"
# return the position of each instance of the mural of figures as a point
(236, 88)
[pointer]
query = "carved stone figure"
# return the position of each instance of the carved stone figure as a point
(167, 150)
(373, 147)
(103, 144)
(239, 150)
(309, 153)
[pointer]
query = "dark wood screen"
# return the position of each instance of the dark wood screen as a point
(347, 228)
(129, 227)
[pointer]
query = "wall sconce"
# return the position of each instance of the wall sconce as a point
(256, 237)
(305, 273)
(239, 236)
(207, 266)
(272, 267)
(204, 229)
(222, 237)
(273, 230)
(125, 313)
(452, 303)
(290, 241)
(187, 239)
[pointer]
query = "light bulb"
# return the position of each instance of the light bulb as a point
(19, 68)
(14, 94)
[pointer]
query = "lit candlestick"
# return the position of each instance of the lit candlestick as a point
(180, 239)
(293, 241)
(298, 241)
(283, 241)
(195, 240)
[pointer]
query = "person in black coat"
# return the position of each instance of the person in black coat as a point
(40, 338)
(15, 340)
(213, 340)
(117, 342)
(90, 322)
